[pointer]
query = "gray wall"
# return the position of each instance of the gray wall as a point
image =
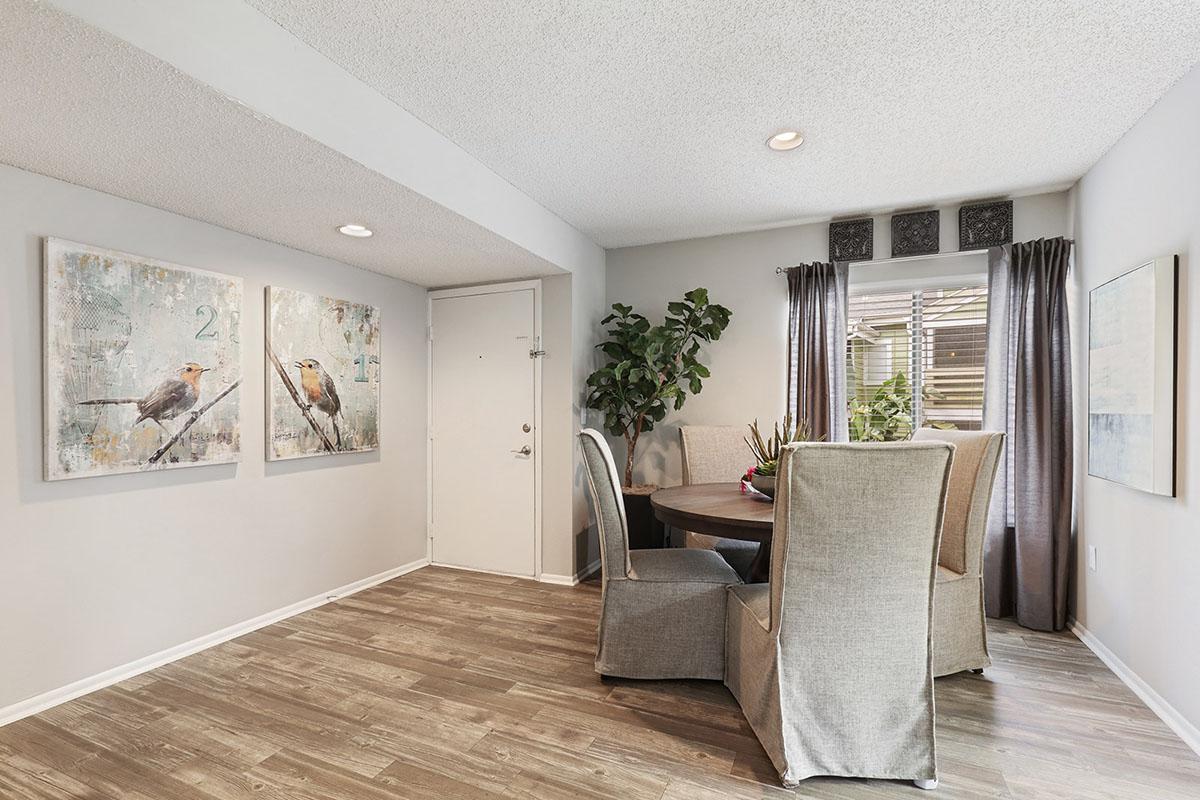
(98, 572)
(588, 307)
(558, 436)
(749, 362)
(1140, 201)
(572, 306)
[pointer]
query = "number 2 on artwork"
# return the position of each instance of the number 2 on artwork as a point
(205, 332)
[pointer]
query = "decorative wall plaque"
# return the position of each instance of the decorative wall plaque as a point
(852, 240)
(915, 233)
(985, 225)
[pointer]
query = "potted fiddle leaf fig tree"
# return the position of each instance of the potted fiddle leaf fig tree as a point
(651, 369)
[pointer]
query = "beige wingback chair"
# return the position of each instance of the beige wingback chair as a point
(831, 661)
(959, 629)
(717, 454)
(662, 611)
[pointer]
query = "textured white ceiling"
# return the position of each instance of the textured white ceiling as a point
(641, 122)
(86, 107)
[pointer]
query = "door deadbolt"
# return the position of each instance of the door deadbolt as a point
(526, 428)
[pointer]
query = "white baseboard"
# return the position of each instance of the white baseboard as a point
(1184, 729)
(545, 577)
(54, 697)
(572, 580)
(497, 573)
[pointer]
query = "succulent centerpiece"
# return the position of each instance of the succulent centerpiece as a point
(766, 451)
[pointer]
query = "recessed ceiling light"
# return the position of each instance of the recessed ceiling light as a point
(358, 231)
(785, 140)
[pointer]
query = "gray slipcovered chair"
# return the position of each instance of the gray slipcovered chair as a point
(662, 612)
(831, 661)
(717, 454)
(959, 628)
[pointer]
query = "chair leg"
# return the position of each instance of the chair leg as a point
(927, 784)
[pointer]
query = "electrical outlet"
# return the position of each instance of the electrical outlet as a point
(1091, 553)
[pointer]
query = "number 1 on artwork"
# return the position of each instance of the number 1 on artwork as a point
(361, 362)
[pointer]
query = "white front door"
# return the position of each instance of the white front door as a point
(482, 414)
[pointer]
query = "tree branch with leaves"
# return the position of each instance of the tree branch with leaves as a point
(652, 368)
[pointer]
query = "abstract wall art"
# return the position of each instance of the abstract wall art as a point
(322, 375)
(1132, 378)
(142, 363)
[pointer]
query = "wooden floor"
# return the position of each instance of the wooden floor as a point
(445, 684)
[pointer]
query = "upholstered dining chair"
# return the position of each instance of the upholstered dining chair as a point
(662, 612)
(831, 661)
(717, 454)
(959, 628)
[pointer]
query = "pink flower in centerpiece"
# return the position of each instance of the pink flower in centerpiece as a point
(746, 479)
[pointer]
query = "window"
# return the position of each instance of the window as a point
(915, 358)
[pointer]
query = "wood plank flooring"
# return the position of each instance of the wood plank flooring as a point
(447, 684)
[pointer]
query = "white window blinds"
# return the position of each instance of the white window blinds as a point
(915, 359)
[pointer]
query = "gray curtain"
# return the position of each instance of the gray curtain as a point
(816, 378)
(1028, 396)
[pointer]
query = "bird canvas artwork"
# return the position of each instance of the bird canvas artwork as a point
(323, 374)
(142, 363)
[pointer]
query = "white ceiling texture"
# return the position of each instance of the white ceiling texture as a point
(645, 121)
(82, 105)
(465, 132)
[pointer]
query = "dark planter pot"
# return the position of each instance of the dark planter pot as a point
(645, 530)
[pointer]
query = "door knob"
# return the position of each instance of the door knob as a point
(526, 450)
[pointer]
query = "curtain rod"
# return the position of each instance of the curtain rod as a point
(902, 259)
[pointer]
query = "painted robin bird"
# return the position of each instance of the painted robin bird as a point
(320, 391)
(168, 400)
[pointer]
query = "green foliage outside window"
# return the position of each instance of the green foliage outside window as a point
(887, 416)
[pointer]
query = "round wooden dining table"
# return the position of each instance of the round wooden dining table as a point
(720, 509)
